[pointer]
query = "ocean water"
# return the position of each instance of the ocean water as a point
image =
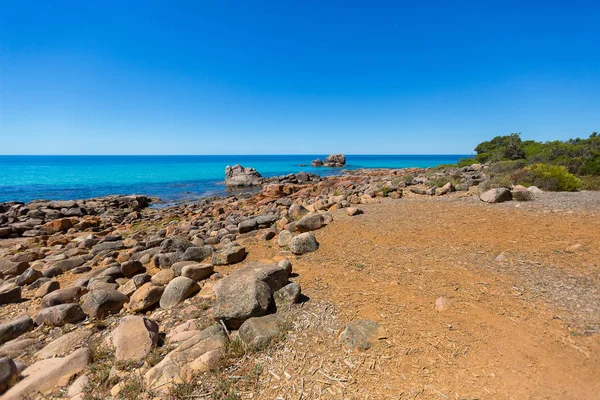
(171, 178)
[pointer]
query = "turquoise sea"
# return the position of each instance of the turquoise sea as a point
(171, 178)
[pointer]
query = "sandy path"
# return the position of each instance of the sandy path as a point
(526, 327)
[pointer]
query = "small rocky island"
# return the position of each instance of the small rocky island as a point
(333, 160)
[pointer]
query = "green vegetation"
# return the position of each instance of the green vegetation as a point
(564, 166)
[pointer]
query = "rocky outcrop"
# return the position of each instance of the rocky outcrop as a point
(238, 176)
(335, 160)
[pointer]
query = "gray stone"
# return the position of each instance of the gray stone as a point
(197, 272)
(196, 253)
(177, 291)
(247, 225)
(47, 287)
(70, 294)
(238, 176)
(10, 293)
(311, 222)
(362, 334)
(60, 315)
(304, 243)
(29, 276)
(62, 266)
(284, 238)
(100, 303)
(240, 296)
(131, 268)
(8, 373)
(230, 254)
(15, 328)
(259, 332)
(287, 295)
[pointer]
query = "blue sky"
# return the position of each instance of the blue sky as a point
(268, 77)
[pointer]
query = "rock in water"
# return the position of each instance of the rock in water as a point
(362, 334)
(316, 163)
(497, 195)
(304, 243)
(238, 176)
(335, 160)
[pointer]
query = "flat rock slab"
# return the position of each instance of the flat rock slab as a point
(64, 344)
(362, 334)
(60, 315)
(202, 352)
(15, 328)
(48, 374)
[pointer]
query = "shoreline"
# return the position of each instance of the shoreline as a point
(214, 276)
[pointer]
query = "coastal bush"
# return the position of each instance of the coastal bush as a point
(589, 182)
(548, 177)
(465, 162)
(503, 167)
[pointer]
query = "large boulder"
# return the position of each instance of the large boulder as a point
(335, 160)
(240, 296)
(304, 243)
(134, 339)
(311, 222)
(497, 195)
(60, 315)
(100, 303)
(231, 253)
(238, 176)
(177, 291)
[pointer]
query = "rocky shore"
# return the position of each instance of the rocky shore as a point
(108, 297)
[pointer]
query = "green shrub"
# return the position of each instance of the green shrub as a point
(465, 162)
(590, 182)
(549, 177)
(502, 167)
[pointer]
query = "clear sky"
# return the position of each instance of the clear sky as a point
(263, 77)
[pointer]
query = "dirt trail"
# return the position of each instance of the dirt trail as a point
(522, 328)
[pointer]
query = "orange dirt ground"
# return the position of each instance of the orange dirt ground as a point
(522, 328)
